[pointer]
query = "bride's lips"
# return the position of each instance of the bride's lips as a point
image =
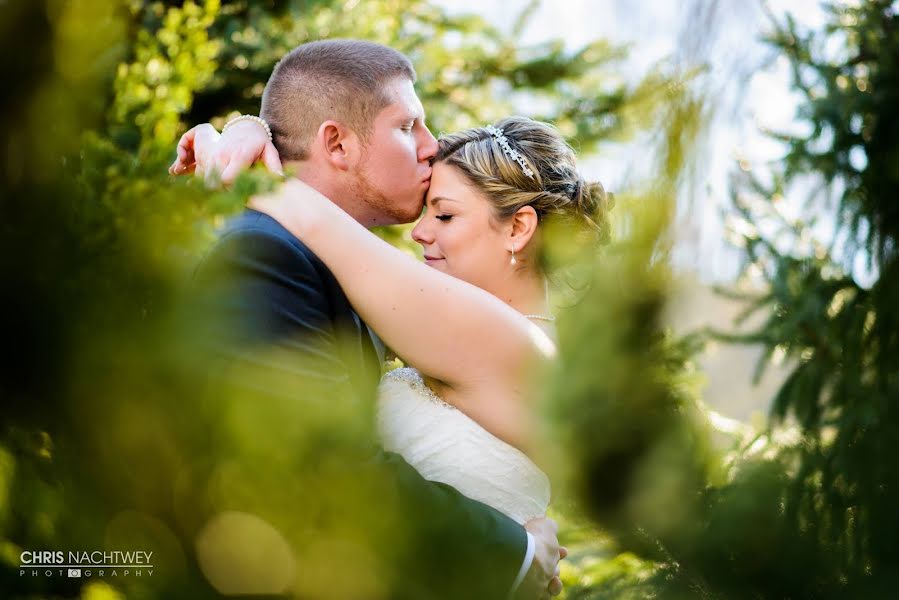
(431, 259)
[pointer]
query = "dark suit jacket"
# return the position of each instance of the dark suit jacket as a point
(272, 290)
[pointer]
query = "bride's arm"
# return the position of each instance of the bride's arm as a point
(447, 328)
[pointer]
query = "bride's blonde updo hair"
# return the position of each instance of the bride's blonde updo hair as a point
(555, 188)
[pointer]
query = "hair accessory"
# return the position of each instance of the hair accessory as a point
(253, 118)
(503, 142)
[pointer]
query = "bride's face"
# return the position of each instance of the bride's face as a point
(458, 235)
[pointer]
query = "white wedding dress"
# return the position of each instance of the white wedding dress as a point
(444, 444)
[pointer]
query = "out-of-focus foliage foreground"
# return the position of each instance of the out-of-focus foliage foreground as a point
(109, 438)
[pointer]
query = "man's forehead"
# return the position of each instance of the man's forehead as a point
(403, 99)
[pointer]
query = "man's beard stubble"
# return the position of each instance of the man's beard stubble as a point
(388, 211)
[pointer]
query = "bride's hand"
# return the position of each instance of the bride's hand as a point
(194, 149)
(221, 157)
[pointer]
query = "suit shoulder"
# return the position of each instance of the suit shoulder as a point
(256, 226)
(254, 235)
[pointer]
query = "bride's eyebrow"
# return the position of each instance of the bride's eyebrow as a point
(442, 199)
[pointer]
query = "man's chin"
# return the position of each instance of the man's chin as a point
(394, 208)
(407, 215)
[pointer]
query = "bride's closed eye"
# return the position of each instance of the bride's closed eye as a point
(443, 218)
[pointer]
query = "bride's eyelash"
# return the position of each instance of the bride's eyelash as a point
(443, 218)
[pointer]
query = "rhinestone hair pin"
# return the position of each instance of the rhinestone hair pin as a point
(503, 142)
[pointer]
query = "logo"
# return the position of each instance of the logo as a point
(86, 563)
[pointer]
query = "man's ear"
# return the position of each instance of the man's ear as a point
(338, 143)
(524, 226)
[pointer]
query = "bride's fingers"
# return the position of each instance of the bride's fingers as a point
(230, 172)
(272, 160)
(555, 586)
(238, 161)
(215, 168)
(185, 148)
(200, 171)
(563, 552)
(184, 157)
(180, 167)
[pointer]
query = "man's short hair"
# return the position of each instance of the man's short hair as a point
(340, 80)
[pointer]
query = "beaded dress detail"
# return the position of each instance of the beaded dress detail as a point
(444, 444)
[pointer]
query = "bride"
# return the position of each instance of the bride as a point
(471, 320)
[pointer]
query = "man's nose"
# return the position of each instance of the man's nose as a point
(427, 149)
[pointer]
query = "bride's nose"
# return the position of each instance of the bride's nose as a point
(421, 233)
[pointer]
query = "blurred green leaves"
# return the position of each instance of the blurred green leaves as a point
(829, 300)
(169, 64)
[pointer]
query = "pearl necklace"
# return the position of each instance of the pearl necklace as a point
(549, 318)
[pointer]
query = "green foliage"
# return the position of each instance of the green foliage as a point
(623, 396)
(171, 61)
(805, 508)
(832, 318)
(846, 91)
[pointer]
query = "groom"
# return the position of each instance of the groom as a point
(345, 116)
